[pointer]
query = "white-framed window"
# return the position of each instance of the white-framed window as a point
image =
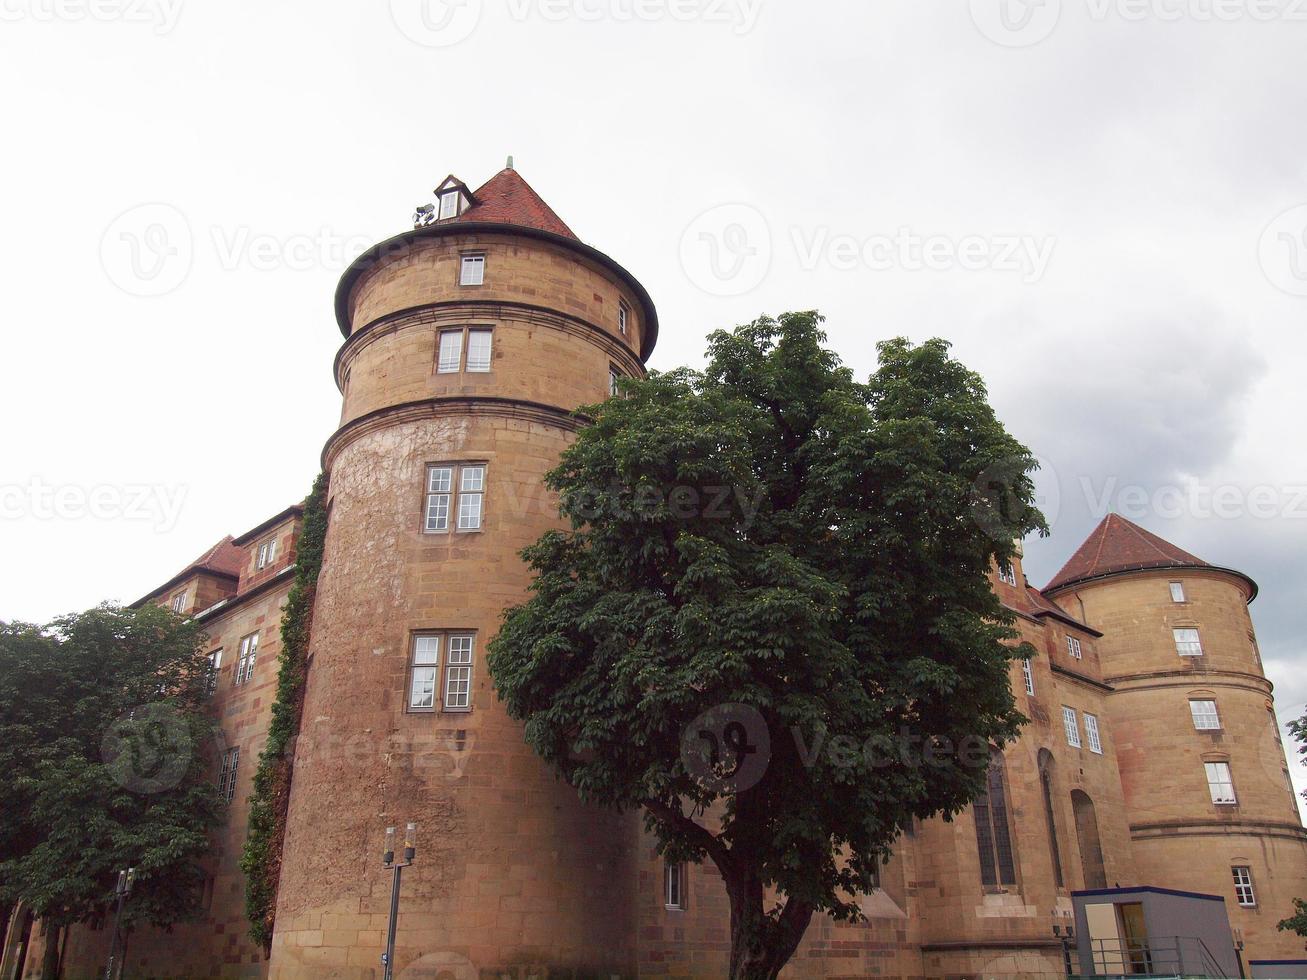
(673, 886)
(1072, 726)
(424, 680)
(464, 350)
(1007, 573)
(458, 674)
(449, 204)
(472, 270)
(1206, 718)
(1028, 674)
(424, 672)
(1220, 782)
(1243, 886)
(267, 553)
(215, 665)
(451, 351)
(623, 316)
(478, 349)
(1177, 592)
(179, 601)
(1187, 643)
(227, 776)
(442, 500)
(1073, 648)
(613, 376)
(471, 490)
(249, 652)
(1091, 733)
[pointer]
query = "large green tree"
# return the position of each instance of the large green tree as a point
(1298, 921)
(106, 749)
(770, 624)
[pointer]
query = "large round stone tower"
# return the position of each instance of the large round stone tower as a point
(1207, 790)
(469, 342)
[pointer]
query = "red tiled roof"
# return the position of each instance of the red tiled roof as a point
(1030, 602)
(224, 558)
(1119, 545)
(508, 199)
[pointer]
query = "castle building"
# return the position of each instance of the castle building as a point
(1152, 757)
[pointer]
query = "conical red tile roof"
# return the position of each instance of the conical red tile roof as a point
(508, 199)
(1119, 545)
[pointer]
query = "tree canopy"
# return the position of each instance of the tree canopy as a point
(770, 623)
(107, 751)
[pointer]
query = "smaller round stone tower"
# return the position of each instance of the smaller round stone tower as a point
(1206, 785)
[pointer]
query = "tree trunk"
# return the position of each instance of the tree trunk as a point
(50, 958)
(761, 945)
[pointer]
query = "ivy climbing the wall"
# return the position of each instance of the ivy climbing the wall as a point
(261, 860)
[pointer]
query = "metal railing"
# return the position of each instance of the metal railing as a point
(1165, 956)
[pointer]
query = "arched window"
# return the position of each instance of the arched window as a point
(993, 835)
(1046, 783)
(1091, 846)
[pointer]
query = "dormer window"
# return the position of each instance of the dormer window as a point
(452, 198)
(267, 552)
(179, 602)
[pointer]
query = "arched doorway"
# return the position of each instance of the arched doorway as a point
(1091, 846)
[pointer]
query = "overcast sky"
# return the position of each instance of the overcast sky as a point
(1101, 203)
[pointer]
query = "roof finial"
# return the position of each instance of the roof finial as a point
(509, 164)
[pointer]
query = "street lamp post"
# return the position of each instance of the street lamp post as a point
(388, 861)
(1064, 930)
(122, 889)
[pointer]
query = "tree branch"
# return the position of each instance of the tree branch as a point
(701, 836)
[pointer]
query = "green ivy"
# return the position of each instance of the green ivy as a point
(261, 860)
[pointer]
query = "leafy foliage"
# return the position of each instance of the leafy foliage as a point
(1298, 921)
(800, 556)
(107, 747)
(261, 859)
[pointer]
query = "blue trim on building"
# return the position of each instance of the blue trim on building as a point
(1146, 888)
